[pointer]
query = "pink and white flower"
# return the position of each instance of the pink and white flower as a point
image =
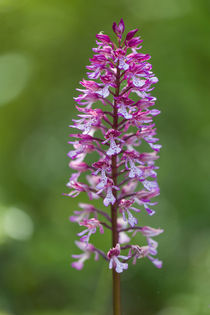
(110, 198)
(91, 225)
(87, 251)
(114, 262)
(103, 167)
(112, 135)
(87, 209)
(124, 207)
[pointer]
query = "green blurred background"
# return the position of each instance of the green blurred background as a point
(44, 48)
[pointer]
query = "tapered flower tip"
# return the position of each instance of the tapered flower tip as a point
(119, 29)
(131, 34)
(114, 27)
(77, 265)
(158, 263)
(85, 247)
(86, 206)
(79, 166)
(121, 25)
(104, 38)
(149, 231)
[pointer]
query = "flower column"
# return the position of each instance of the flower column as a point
(115, 275)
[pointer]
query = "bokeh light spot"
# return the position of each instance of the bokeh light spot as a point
(17, 224)
(15, 70)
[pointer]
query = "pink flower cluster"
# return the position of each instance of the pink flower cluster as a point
(116, 111)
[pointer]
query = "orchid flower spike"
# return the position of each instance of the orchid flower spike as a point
(115, 126)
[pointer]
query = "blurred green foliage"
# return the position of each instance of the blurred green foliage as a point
(45, 46)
